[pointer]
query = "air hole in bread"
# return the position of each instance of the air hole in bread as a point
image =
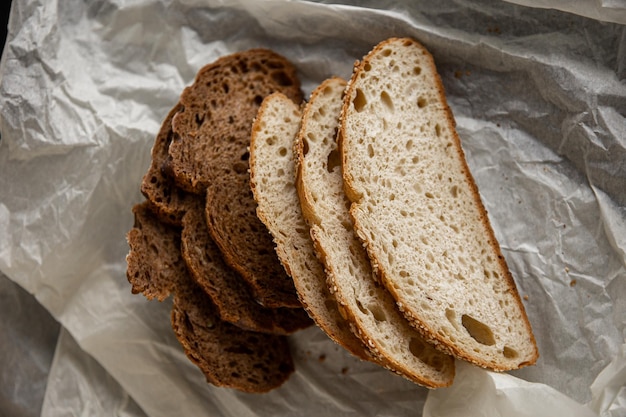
(370, 151)
(478, 330)
(409, 145)
(454, 191)
(421, 102)
(377, 312)
(451, 316)
(282, 151)
(258, 100)
(417, 70)
(509, 353)
(334, 160)
(385, 98)
(199, 119)
(359, 101)
(455, 228)
(280, 172)
(240, 167)
(282, 79)
(438, 129)
(429, 195)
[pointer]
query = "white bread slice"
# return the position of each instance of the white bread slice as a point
(368, 306)
(272, 179)
(418, 211)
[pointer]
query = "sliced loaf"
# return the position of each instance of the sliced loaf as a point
(209, 154)
(417, 209)
(370, 307)
(272, 173)
(230, 294)
(227, 355)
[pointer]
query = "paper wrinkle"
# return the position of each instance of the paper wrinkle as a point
(540, 107)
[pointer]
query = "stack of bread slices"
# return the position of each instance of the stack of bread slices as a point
(355, 209)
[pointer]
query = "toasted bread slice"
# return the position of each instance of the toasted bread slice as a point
(368, 306)
(209, 154)
(230, 294)
(417, 209)
(272, 173)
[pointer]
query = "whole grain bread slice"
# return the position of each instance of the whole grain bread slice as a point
(231, 295)
(227, 355)
(168, 201)
(154, 262)
(370, 307)
(212, 130)
(417, 209)
(272, 173)
(209, 154)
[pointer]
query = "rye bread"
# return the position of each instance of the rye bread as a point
(417, 209)
(227, 355)
(154, 261)
(167, 200)
(231, 295)
(209, 154)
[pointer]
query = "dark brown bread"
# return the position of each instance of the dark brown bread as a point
(246, 244)
(229, 292)
(228, 355)
(155, 264)
(212, 131)
(209, 153)
(167, 200)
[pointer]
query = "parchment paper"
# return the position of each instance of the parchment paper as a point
(539, 97)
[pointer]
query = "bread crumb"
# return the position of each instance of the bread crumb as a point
(566, 270)
(572, 283)
(322, 357)
(526, 297)
(344, 370)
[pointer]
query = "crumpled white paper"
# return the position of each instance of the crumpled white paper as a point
(540, 102)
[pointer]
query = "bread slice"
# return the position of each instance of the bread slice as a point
(212, 131)
(227, 355)
(209, 154)
(272, 173)
(167, 200)
(154, 263)
(369, 306)
(417, 209)
(230, 294)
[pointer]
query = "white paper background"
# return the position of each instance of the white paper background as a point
(540, 102)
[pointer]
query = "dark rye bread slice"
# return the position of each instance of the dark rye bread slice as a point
(168, 201)
(212, 131)
(154, 262)
(229, 292)
(227, 355)
(246, 244)
(209, 154)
